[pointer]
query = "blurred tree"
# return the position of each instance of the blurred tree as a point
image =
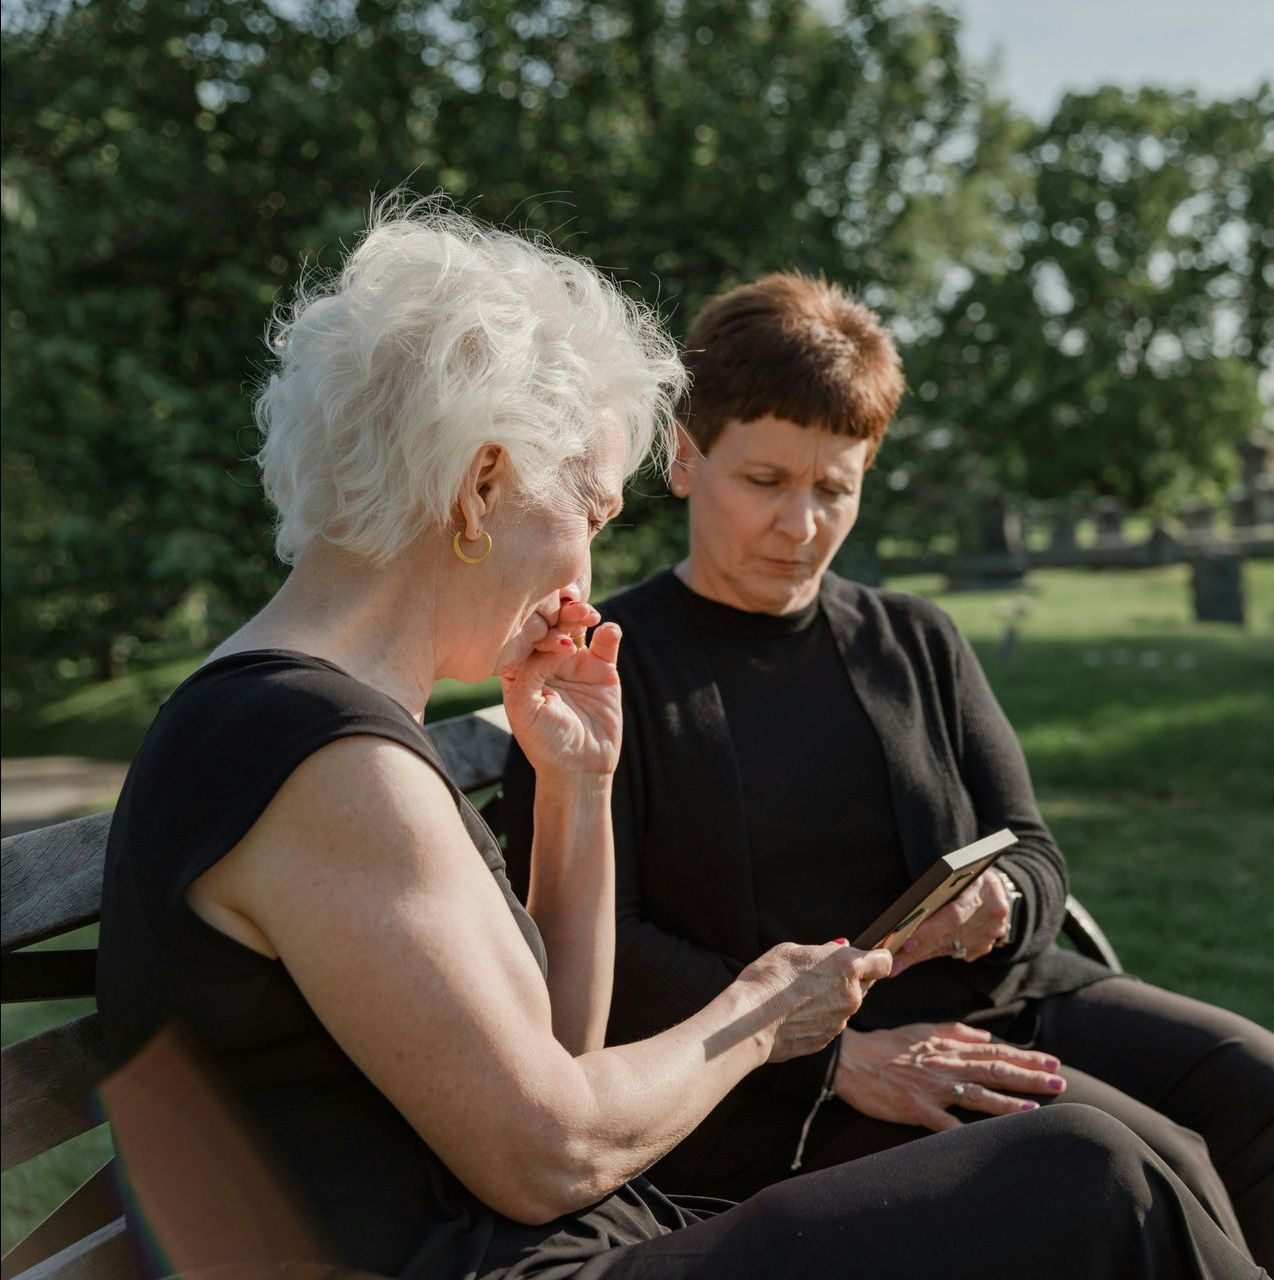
(165, 163)
(1118, 351)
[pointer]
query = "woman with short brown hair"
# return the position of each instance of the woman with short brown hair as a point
(799, 748)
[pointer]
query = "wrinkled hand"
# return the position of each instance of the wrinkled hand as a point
(904, 1075)
(817, 989)
(563, 702)
(975, 920)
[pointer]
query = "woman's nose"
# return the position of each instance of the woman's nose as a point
(578, 588)
(796, 518)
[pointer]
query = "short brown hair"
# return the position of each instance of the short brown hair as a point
(794, 347)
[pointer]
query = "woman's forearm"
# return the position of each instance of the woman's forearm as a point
(616, 1111)
(636, 1102)
(572, 900)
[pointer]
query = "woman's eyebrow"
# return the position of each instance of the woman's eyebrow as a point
(607, 503)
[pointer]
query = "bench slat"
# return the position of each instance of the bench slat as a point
(93, 1205)
(48, 975)
(473, 747)
(52, 880)
(1087, 936)
(49, 1084)
(104, 1255)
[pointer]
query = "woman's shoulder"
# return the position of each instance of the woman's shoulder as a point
(272, 692)
(229, 735)
(901, 613)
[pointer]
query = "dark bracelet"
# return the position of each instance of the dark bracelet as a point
(823, 1094)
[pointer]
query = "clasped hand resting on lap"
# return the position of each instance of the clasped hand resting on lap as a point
(905, 1075)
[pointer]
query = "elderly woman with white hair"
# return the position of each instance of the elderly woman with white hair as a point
(293, 879)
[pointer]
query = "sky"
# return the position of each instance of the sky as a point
(1220, 47)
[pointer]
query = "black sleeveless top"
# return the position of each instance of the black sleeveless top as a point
(217, 753)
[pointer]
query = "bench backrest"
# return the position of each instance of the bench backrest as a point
(52, 887)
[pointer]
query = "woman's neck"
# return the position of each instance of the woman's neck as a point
(377, 623)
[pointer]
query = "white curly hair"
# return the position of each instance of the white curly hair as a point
(437, 336)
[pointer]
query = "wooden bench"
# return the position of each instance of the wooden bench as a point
(52, 887)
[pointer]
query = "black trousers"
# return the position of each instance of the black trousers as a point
(1061, 1193)
(1195, 1082)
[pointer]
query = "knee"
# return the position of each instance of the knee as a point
(1085, 1152)
(1249, 1056)
(1237, 1077)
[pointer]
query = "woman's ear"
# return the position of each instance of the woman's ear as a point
(485, 482)
(685, 464)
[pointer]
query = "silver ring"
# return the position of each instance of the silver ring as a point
(958, 1090)
(957, 949)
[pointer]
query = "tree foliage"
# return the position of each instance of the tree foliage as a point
(1119, 351)
(167, 165)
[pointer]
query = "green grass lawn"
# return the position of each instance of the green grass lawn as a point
(1149, 736)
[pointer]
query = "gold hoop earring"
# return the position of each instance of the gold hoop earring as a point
(460, 555)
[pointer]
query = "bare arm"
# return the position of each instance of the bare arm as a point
(364, 882)
(571, 899)
(565, 709)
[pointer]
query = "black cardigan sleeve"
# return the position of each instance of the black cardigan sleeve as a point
(995, 774)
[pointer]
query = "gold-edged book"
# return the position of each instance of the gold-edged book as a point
(946, 879)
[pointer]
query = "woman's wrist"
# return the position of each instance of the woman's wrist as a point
(566, 785)
(747, 1013)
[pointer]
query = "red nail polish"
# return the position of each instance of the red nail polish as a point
(841, 942)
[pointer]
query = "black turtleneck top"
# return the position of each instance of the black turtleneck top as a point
(825, 855)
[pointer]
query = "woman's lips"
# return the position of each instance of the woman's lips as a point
(784, 566)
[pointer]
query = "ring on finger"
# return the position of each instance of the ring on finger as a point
(958, 1090)
(958, 949)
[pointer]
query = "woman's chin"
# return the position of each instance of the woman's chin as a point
(512, 656)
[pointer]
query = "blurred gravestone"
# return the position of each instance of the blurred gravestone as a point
(1109, 516)
(1257, 457)
(1162, 548)
(1261, 489)
(1218, 587)
(1197, 518)
(1000, 560)
(1062, 531)
(1242, 502)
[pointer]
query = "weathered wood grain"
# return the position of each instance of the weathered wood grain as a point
(49, 1083)
(93, 1205)
(52, 880)
(473, 747)
(104, 1255)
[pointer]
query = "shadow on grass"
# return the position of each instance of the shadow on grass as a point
(1185, 719)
